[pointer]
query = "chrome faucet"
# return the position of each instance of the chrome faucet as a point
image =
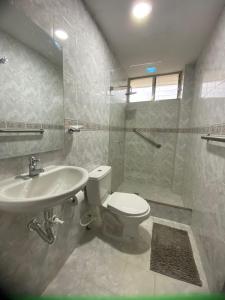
(33, 170)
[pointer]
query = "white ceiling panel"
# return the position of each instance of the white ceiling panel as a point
(173, 35)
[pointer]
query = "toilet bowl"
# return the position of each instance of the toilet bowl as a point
(122, 213)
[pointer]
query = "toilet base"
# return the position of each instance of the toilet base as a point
(122, 228)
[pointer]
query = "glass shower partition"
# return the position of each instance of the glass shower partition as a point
(146, 149)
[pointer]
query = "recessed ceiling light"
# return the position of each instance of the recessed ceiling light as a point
(61, 34)
(141, 10)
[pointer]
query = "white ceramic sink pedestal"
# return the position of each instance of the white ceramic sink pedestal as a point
(44, 191)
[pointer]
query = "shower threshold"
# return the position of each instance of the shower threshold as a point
(155, 193)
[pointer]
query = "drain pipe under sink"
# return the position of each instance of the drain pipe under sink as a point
(47, 233)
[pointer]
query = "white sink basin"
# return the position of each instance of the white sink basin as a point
(48, 189)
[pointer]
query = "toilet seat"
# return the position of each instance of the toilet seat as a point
(127, 204)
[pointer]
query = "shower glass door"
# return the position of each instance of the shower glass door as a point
(143, 143)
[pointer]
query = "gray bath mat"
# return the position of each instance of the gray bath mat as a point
(171, 254)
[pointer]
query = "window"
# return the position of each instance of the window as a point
(167, 87)
(141, 89)
(155, 88)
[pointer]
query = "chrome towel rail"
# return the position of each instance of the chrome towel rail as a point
(6, 130)
(215, 138)
(153, 143)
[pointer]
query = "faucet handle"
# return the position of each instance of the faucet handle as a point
(33, 170)
(56, 220)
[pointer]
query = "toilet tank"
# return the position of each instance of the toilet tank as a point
(99, 185)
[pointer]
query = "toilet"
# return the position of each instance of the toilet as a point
(121, 213)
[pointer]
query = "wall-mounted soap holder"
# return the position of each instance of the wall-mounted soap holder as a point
(75, 128)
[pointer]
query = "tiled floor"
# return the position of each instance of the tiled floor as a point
(152, 192)
(100, 266)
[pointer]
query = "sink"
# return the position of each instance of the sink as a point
(55, 185)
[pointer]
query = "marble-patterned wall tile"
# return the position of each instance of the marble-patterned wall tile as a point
(158, 114)
(15, 145)
(185, 105)
(88, 149)
(144, 162)
(26, 261)
(31, 92)
(31, 85)
(117, 127)
(87, 96)
(205, 162)
(117, 143)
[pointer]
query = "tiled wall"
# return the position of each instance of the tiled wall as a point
(144, 162)
(31, 96)
(185, 105)
(117, 131)
(87, 67)
(205, 163)
(27, 263)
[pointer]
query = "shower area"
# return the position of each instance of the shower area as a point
(147, 146)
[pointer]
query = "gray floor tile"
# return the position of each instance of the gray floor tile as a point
(168, 286)
(137, 281)
(101, 267)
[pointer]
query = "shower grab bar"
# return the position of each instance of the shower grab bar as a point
(215, 138)
(41, 131)
(153, 143)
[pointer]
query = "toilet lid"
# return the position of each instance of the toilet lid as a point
(127, 204)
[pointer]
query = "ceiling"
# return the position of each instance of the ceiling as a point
(173, 35)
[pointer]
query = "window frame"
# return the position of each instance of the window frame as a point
(179, 89)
